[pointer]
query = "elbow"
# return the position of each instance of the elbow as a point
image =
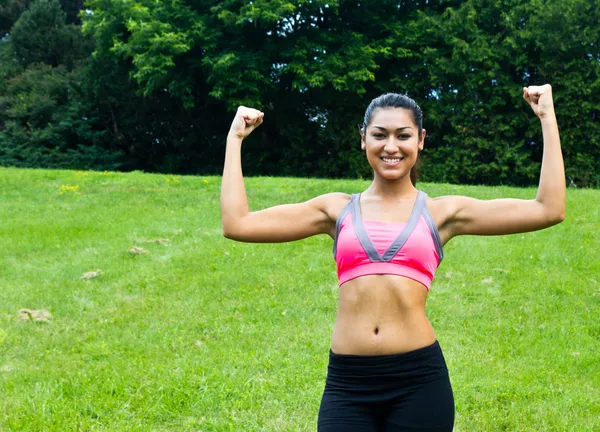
(556, 217)
(232, 235)
(561, 216)
(231, 230)
(228, 233)
(552, 213)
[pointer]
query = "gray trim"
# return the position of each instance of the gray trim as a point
(434, 233)
(408, 229)
(397, 244)
(338, 223)
(361, 233)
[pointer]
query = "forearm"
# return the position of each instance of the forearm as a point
(234, 202)
(552, 188)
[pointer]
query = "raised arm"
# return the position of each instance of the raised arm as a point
(509, 216)
(276, 224)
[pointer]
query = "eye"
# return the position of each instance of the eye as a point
(378, 136)
(404, 136)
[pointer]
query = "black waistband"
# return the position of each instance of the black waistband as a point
(420, 365)
(387, 358)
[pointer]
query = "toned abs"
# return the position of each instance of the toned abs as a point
(381, 314)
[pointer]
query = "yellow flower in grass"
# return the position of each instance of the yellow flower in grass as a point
(205, 181)
(66, 189)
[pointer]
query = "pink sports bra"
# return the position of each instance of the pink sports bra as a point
(412, 249)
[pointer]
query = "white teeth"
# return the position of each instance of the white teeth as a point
(390, 160)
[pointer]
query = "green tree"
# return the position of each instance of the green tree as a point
(165, 78)
(10, 10)
(482, 54)
(48, 124)
(41, 35)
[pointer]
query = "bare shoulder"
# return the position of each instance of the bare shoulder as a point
(332, 203)
(442, 208)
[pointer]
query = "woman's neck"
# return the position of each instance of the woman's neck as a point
(393, 189)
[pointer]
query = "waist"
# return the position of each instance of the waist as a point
(358, 362)
(366, 338)
(423, 364)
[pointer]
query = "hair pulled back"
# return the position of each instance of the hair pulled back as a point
(396, 100)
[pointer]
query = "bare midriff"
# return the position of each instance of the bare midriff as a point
(381, 314)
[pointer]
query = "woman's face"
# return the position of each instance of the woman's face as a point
(392, 142)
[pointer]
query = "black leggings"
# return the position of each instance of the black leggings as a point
(406, 392)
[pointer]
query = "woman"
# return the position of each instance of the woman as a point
(386, 369)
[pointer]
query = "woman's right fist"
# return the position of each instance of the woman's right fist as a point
(245, 121)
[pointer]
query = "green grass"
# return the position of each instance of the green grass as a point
(205, 334)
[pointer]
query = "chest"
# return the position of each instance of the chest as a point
(384, 241)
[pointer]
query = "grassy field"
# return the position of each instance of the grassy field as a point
(199, 333)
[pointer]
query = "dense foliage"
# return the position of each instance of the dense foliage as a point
(153, 85)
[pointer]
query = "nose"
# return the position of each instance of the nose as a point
(390, 145)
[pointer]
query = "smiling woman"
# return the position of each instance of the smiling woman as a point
(386, 368)
(396, 129)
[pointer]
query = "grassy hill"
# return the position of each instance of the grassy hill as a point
(198, 333)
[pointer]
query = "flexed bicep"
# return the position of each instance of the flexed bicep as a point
(287, 222)
(470, 216)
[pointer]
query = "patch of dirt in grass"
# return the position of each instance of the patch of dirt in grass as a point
(212, 232)
(137, 251)
(162, 241)
(91, 274)
(38, 315)
(449, 274)
(7, 368)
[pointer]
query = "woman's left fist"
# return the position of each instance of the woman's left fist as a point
(540, 99)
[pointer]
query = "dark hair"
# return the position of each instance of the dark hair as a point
(395, 100)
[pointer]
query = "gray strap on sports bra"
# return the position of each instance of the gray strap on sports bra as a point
(434, 233)
(361, 233)
(397, 244)
(407, 231)
(340, 218)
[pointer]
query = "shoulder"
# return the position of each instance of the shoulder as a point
(446, 204)
(444, 209)
(339, 196)
(332, 203)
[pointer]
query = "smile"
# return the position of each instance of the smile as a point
(391, 160)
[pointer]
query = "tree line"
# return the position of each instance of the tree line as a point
(147, 85)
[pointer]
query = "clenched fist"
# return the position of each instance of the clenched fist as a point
(540, 99)
(245, 121)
